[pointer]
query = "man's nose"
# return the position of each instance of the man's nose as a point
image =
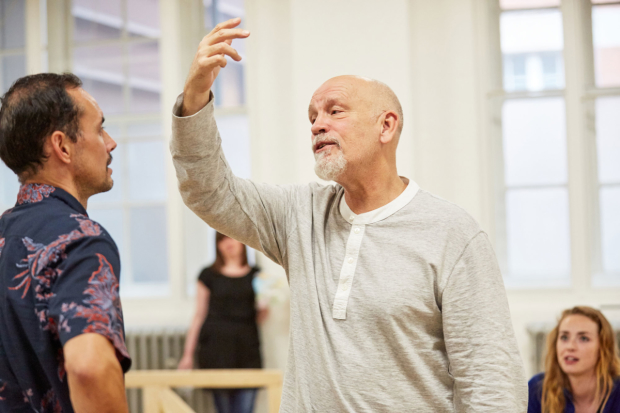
(319, 126)
(111, 142)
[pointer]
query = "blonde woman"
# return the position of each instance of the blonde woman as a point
(582, 367)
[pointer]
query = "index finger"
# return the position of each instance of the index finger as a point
(225, 35)
(228, 24)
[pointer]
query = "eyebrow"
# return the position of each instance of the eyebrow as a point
(578, 333)
(329, 102)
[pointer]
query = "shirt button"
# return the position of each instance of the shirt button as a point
(344, 287)
(356, 230)
(351, 218)
(350, 260)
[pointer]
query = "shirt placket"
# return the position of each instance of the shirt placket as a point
(345, 282)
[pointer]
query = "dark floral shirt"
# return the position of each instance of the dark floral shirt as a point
(58, 279)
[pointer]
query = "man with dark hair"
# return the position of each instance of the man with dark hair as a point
(62, 339)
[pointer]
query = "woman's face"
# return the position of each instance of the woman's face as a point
(578, 345)
(230, 248)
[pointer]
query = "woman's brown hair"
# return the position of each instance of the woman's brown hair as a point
(607, 367)
(219, 259)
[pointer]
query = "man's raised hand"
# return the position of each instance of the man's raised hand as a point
(209, 59)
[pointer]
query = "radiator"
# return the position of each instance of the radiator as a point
(538, 335)
(158, 349)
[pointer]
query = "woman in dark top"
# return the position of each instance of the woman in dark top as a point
(224, 332)
(582, 367)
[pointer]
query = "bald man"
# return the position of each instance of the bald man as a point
(397, 302)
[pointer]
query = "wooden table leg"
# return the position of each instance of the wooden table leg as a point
(274, 396)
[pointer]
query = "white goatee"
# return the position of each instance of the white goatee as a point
(329, 165)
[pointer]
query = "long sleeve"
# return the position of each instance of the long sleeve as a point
(480, 342)
(256, 214)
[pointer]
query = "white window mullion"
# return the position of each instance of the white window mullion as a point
(578, 59)
(34, 44)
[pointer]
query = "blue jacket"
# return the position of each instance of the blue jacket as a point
(535, 389)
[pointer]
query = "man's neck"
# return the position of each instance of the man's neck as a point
(58, 183)
(372, 191)
(583, 388)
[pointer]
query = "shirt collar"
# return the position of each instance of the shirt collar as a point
(33, 193)
(383, 212)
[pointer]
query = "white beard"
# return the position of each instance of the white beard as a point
(329, 166)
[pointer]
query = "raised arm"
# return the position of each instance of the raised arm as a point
(209, 59)
(480, 342)
(257, 215)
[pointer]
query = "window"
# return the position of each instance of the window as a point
(116, 54)
(232, 121)
(12, 67)
(535, 187)
(550, 159)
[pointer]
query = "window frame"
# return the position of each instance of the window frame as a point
(579, 93)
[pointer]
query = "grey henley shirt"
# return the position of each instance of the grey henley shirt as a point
(401, 309)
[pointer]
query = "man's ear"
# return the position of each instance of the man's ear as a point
(389, 124)
(59, 146)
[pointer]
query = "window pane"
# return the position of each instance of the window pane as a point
(149, 252)
(10, 187)
(147, 180)
(12, 68)
(141, 129)
(527, 4)
(144, 77)
(538, 233)
(606, 36)
(534, 142)
(112, 220)
(608, 139)
(116, 193)
(97, 20)
(532, 44)
(235, 134)
(229, 88)
(610, 228)
(12, 24)
(101, 70)
(143, 18)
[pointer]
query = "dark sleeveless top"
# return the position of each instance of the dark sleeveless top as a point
(229, 336)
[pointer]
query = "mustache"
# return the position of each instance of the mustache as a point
(323, 138)
(109, 160)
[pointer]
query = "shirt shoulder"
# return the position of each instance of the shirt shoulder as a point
(444, 215)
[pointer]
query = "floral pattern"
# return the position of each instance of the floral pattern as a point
(31, 193)
(102, 307)
(50, 222)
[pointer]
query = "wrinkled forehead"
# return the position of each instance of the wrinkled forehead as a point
(334, 92)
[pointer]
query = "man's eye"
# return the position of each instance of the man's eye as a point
(335, 111)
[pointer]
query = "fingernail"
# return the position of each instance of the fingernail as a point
(245, 32)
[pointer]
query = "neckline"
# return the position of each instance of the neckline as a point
(383, 212)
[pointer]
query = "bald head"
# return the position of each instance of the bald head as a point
(378, 96)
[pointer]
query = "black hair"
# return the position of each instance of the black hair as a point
(32, 109)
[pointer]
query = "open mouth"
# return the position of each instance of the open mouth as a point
(570, 360)
(321, 145)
